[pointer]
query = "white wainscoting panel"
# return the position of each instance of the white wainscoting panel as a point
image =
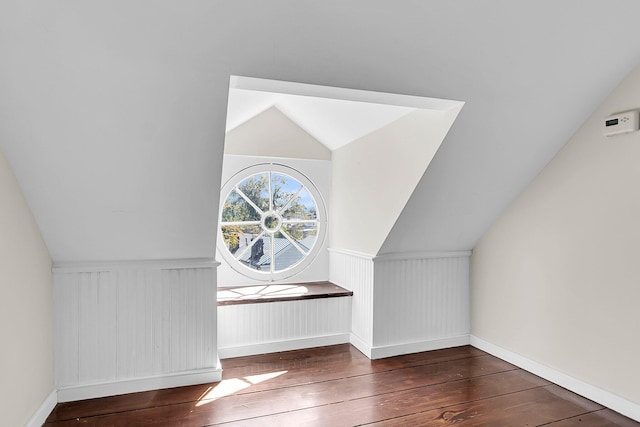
(354, 271)
(421, 300)
(405, 303)
(246, 329)
(126, 324)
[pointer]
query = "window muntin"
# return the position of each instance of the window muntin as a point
(272, 222)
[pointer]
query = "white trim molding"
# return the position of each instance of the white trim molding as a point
(362, 255)
(278, 346)
(148, 265)
(201, 376)
(380, 352)
(404, 256)
(357, 95)
(360, 344)
(41, 415)
(603, 397)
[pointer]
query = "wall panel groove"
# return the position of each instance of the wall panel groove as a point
(354, 271)
(421, 299)
(405, 302)
(127, 324)
(250, 328)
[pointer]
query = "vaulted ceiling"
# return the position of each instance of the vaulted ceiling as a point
(113, 113)
(332, 122)
(333, 116)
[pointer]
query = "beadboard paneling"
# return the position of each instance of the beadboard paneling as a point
(127, 324)
(421, 299)
(251, 328)
(354, 271)
(405, 302)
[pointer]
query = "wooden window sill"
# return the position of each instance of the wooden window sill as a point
(255, 294)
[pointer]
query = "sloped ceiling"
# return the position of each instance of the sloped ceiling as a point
(332, 122)
(113, 112)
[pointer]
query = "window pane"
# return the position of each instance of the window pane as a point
(237, 209)
(283, 189)
(304, 235)
(303, 207)
(286, 254)
(256, 188)
(231, 238)
(237, 238)
(258, 256)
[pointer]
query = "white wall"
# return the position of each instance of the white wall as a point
(272, 134)
(26, 307)
(374, 176)
(556, 278)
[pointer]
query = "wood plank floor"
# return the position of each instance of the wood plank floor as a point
(338, 386)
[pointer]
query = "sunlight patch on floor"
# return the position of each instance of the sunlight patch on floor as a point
(234, 385)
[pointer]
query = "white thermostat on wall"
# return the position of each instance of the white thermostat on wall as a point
(620, 123)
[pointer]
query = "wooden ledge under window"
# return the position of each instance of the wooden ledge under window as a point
(254, 294)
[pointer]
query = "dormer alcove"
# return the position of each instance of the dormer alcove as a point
(365, 152)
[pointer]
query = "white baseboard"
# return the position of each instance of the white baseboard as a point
(44, 410)
(603, 397)
(360, 344)
(379, 352)
(277, 346)
(90, 391)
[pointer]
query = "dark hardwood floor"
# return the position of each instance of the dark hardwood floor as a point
(338, 386)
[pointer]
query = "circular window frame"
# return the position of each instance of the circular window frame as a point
(321, 222)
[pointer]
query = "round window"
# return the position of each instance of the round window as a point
(272, 222)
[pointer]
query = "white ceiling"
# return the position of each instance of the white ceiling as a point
(333, 116)
(332, 122)
(112, 113)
